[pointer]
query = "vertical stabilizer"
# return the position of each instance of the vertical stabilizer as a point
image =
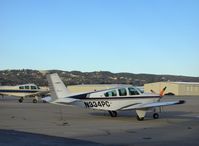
(57, 87)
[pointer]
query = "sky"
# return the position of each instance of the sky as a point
(135, 36)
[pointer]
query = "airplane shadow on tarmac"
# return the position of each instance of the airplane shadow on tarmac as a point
(149, 115)
(17, 138)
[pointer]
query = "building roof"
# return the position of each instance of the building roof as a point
(187, 83)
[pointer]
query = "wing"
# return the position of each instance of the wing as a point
(39, 93)
(9, 94)
(2, 94)
(152, 105)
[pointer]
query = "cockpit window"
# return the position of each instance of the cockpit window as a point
(110, 93)
(122, 92)
(21, 87)
(133, 91)
(33, 87)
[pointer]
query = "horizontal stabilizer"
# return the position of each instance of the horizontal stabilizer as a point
(65, 101)
(47, 99)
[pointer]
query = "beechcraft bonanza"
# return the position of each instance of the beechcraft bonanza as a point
(23, 91)
(111, 100)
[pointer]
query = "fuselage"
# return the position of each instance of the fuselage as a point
(122, 98)
(21, 90)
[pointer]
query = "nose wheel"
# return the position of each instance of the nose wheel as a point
(34, 100)
(155, 115)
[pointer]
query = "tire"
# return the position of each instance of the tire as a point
(155, 115)
(20, 100)
(34, 100)
(113, 113)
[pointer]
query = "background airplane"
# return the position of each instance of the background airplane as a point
(22, 91)
(111, 100)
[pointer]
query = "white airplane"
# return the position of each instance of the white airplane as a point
(111, 100)
(22, 91)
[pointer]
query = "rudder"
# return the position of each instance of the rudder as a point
(57, 88)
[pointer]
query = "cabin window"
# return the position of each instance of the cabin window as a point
(133, 91)
(122, 92)
(21, 87)
(27, 87)
(106, 94)
(111, 93)
(33, 87)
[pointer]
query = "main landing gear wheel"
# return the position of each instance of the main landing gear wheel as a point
(155, 115)
(140, 118)
(113, 113)
(34, 100)
(21, 100)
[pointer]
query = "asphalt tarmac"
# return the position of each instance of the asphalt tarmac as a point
(43, 124)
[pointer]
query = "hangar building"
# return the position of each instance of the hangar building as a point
(176, 88)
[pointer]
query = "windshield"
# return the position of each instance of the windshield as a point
(141, 91)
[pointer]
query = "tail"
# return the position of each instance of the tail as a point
(162, 91)
(57, 88)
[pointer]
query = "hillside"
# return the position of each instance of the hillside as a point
(14, 77)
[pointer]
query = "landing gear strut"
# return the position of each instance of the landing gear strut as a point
(113, 113)
(140, 118)
(21, 100)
